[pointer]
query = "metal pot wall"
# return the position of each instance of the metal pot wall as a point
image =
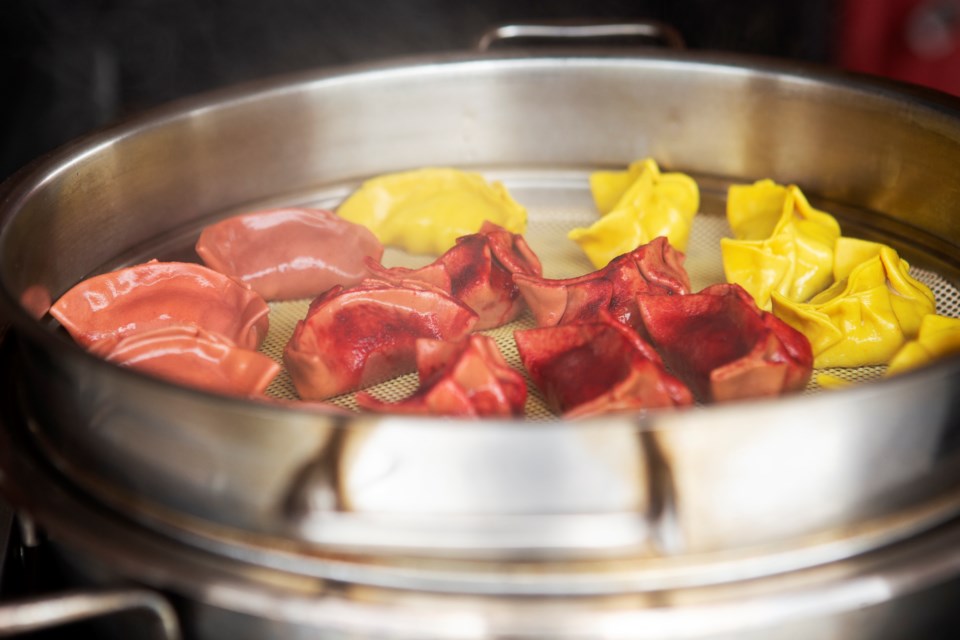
(137, 582)
(763, 487)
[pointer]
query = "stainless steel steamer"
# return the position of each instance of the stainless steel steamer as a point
(498, 524)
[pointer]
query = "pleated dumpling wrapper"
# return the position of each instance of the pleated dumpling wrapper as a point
(864, 318)
(193, 357)
(724, 347)
(939, 337)
(289, 253)
(111, 306)
(597, 367)
(424, 211)
(362, 335)
(636, 206)
(467, 378)
(780, 243)
(476, 271)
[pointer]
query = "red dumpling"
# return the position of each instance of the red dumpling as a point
(468, 378)
(284, 254)
(194, 358)
(477, 271)
(360, 336)
(160, 294)
(653, 268)
(721, 344)
(591, 368)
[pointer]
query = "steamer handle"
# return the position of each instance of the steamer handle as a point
(35, 614)
(647, 29)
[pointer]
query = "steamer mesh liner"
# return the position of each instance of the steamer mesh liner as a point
(554, 206)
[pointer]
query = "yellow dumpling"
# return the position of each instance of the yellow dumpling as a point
(939, 336)
(863, 319)
(637, 205)
(781, 244)
(424, 211)
(850, 253)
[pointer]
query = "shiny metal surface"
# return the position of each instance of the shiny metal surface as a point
(649, 30)
(46, 612)
(905, 590)
(6, 526)
(724, 479)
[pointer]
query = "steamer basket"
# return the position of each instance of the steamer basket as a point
(795, 481)
(903, 590)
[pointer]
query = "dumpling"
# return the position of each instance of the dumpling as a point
(160, 294)
(655, 268)
(285, 254)
(424, 211)
(467, 378)
(351, 338)
(938, 337)
(865, 318)
(193, 357)
(724, 347)
(592, 368)
(781, 244)
(478, 271)
(637, 206)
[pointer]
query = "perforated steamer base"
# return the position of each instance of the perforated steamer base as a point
(557, 202)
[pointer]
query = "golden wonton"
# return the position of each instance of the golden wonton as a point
(637, 205)
(781, 244)
(426, 210)
(939, 336)
(863, 319)
(850, 253)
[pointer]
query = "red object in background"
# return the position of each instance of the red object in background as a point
(916, 41)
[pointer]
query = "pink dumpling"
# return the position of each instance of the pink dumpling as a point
(467, 378)
(159, 294)
(194, 358)
(478, 270)
(285, 254)
(597, 367)
(360, 336)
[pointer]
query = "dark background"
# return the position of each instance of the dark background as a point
(68, 66)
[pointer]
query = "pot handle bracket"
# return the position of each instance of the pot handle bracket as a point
(49, 611)
(641, 30)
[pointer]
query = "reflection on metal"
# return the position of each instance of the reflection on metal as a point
(741, 475)
(51, 611)
(836, 475)
(29, 537)
(567, 31)
(6, 526)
